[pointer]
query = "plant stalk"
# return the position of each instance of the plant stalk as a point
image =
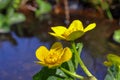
(80, 61)
(72, 74)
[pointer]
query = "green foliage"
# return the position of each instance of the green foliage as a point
(4, 3)
(114, 68)
(16, 3)
(43, 7)
(104, 5)
(116, 35)
(113, 73)
(44, 74)
(51, 74)
(10, 16)
(13, 17)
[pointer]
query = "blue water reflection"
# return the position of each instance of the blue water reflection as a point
(17, 61)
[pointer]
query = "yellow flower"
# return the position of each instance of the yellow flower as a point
(74, 31)
(53, 57)
(112, 60)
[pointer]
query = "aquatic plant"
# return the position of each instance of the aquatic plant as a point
(57, 62)
(113, 64)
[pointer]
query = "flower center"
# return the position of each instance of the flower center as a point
(52, 58)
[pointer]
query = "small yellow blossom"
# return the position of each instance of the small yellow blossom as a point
(53, 57)
(112, 60)
(74, 31)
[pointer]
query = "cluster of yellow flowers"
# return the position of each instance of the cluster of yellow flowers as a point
(57, 54)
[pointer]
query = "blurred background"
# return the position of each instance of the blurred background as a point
(24, 26)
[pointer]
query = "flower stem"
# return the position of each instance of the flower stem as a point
(72, 74)
(80, 61)
(71, 66)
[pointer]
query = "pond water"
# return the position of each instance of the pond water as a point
(17, 61)
(17, 55)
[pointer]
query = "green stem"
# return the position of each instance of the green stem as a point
(109, 14)
(80, 61)
(72, 74)
(71, 66)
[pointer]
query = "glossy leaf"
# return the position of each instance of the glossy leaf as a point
(44, 74)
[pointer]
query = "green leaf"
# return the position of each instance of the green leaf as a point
(71, 66)
(61, 73)
(1, 20)
(51, 74)
(113, 73)
(16, 3)
(62, 76)
(58, 76)
(4, 27)
(13, 17)
(116, 36)
(4, 3)
(44, 74)
(104, 5)
(16, 18)
(54, 78)
(44, 7)
(108, 77)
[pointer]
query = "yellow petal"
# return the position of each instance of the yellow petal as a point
(41, 63)
(67, 55)
(107, 63)
(49, 65)
(41, 52)
(74, 35)
(57, 44)
(54, 65)
(59, 29)
(90, 27)
(76, 25)
(56, 47)
(57, 36)
(113, 58)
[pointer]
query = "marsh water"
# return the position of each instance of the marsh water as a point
(17, 48)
